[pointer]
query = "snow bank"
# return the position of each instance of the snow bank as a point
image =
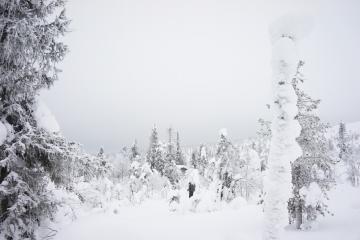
(153, 220)
(44, 118)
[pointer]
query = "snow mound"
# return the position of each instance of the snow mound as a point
(295, 27)
(44, 118)
(3, 133)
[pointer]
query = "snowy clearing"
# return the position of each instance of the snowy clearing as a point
(153, 220)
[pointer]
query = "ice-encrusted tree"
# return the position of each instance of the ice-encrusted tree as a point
(203, 159)
(154, 155)
(199, 159)
(343, 144)
(170, 169)
(135, 153)
(101, 153)
(225, 157)
(349, 153)
(179, 156)
(263, 142)
(30, 48)
(285, 129)
(313, 170)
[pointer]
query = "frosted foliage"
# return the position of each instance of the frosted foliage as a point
(285, 129)
(45, 119)
(3, 133)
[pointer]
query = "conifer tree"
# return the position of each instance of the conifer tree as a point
(154, 155)
(179, 156)
(349, 154)
(225, 155)
(135, 154)
(170, 169)
(30, 48)
(343, 143)
(101, 153)
(199, 159)
(263, 142)
(313, 169)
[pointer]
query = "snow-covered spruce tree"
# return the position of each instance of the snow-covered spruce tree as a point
(313, 170)
(203, 161)
(154, 155)
(199, 159)
(102, 157)
(343, 144)
(29, 50)
(285, 129)
(194, 159)
(353, 169)
(179, 156)
(225, 157)
(247, 180)
(263, 142)
(135, 153)
(101, 153)
(170, 169)
(349, 154)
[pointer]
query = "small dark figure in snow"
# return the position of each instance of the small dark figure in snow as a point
(191, 189)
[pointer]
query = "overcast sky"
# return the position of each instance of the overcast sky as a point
(195, 65)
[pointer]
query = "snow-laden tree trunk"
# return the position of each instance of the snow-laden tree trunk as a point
(285, 129)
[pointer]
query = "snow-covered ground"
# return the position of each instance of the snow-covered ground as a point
(153, 220)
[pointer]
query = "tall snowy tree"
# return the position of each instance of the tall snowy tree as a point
(313, 169)
(285, 129)
(349, 154)
(248, 178)
(199, 159)
(226, 156)
(154, 155)
(30, 48)
(101, 153)
(343, 145)
(179, 156)
(263, 142)
(135, 154)
(170, 169)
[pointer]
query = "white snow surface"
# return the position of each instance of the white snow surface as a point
(153, 220)
(45, 119)
(3, 133)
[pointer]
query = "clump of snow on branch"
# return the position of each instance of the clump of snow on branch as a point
(285, 129)
(45, 119)
(3, 133)
(312, 194)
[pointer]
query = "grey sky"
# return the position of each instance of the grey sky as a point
(195, 65)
